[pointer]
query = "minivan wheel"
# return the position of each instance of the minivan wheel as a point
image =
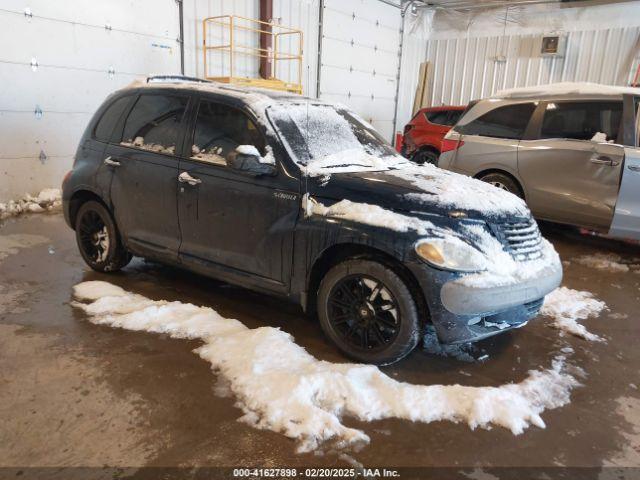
(503, 182)
(366, 309)
(98, 239)
(425, 156)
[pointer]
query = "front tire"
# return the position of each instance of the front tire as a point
(98, 239)
(367, 310)
(503, 182)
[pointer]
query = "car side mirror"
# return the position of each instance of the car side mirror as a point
(249, 163)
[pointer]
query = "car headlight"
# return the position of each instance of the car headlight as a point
(451, 254)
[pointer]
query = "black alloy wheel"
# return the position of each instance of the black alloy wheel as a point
(367, 310)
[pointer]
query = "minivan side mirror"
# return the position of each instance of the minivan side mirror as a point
(249, 164)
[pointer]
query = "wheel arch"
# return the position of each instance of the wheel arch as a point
(429, 147)
(79, 198)
(487, 171)
(340, 252)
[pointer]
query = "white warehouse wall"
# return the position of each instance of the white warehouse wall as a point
(476, 54)
(360, 45)
(299, 14)
(79, 62)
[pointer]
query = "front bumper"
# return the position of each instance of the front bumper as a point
(462, 312)
(462, 299)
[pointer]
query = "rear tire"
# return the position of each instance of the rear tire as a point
(425, 156)
(98, 238)
(503, 182)
(367, 310)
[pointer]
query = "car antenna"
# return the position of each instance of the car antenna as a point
(306, 141)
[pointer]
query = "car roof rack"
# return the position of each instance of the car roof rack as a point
(175, 79)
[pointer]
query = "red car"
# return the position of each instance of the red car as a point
(422, 140)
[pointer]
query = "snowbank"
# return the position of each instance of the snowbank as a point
(566, 88)
(281, 387)
(609, 262)
(48, 200)
(567, 306)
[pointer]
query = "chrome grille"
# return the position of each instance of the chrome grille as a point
(520, 237)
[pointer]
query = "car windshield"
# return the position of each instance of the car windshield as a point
(327, 139)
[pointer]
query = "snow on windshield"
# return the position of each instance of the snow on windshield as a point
(326, 140)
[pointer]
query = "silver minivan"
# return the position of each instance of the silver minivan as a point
(570, 150)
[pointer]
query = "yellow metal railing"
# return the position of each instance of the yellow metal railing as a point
(229, 26)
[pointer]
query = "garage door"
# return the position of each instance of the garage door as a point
(359, 66)
(61, 60)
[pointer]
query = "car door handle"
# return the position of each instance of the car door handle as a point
(604, 160)
(184, 177)
(111, 162)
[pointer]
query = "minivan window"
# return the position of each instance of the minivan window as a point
(509, 121)
(581, 120)
(110, 117)
(221, 129)
(154, 123)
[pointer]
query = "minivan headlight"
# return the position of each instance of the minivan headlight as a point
(451, 254)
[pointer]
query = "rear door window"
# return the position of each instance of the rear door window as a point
(454, 116)
(155, 123)
(599, 121)
(439, 118)
(509, 121)
(219, 130)
(106, 124)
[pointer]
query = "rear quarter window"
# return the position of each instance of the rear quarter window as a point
(106, 124)
(508, 121)
(155, 123)
(439, 118)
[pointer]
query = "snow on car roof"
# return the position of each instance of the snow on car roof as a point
(566, 88)
(251, 95)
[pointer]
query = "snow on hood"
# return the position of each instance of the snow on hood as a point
(280, 387)
(566, 88)
(453, 190)
(499, 268)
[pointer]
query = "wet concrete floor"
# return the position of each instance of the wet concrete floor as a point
(76, 394)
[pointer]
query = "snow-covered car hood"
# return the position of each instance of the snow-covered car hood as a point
(420, 190)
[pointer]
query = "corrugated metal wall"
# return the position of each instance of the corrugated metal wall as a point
(468, 68)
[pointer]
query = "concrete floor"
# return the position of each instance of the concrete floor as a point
(76, 394)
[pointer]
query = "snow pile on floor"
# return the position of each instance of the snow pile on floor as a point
(567, 306)
(281, 387)
(48, 200)
(604, 261)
